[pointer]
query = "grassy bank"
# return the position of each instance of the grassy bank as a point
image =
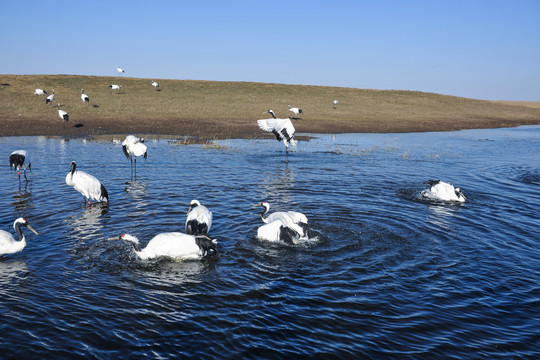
(230, 109)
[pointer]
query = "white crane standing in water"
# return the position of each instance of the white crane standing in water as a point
(132, 147)
(8, 244)
(18, 160)
(89, 186)
(283, 129)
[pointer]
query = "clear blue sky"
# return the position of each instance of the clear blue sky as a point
(482, 49)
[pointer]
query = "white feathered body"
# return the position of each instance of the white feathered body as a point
(173, 245)
(283, 129)
(200, 215)
(19, 159)
(8, 244)
(88, 185)
(442, 191)
(132, 146)
(39, 92)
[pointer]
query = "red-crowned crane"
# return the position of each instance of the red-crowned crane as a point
(18, 160)
(115, 87)
(295, 110)
(63, 115)
(39, 92)
(132, 147)
(89, 186)
(199, 219)
(8, 244)
(172, 245)
(155, 84)
(120, 70)
(287, 226)
(84, 97)
(441, 191)
(283, 129)
(50, 98)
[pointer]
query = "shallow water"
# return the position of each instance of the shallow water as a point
(388, 275)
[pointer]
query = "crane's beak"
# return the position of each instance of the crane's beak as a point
(32, 229)
(257, 204)
(189, 209)
(115, 238)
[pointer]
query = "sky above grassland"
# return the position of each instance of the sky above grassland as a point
(482, 49)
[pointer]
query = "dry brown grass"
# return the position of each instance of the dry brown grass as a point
(214, 110)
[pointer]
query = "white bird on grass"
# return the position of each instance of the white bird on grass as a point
(8, 244)
(173, 245)
(84, 97)
(63, 115)
(283, 129)
(89, 186)
(50, 98)
(132, 147)
(295, 110)
(441, 191)
(288, 226)
(19, 160)
(115, 87)
(199, 219)
(155, 84)
(39, 92)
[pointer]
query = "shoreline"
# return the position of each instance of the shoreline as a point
(210, 110)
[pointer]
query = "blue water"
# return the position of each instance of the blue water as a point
(389, 275)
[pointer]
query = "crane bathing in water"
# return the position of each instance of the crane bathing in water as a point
(286, 226)
(199, 219)
(89, 186)
(19, 160)
(283, 129)
(8, 244)
(441, 191)
(173, 245)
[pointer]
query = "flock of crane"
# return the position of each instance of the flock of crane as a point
(289, 227)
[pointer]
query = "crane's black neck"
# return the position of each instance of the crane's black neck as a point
(19, 231)
(73, 166)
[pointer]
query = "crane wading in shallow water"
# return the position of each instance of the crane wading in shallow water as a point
(89, 186)
(132, 147)
(283, 129)
(19, 160)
